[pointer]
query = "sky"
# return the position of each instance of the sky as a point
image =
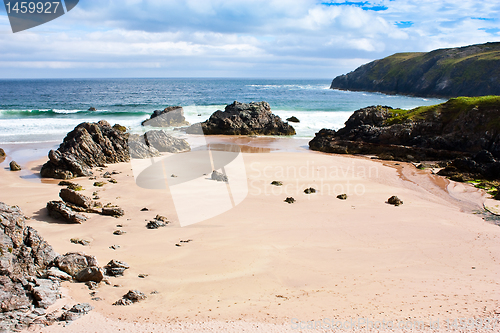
(238, 38)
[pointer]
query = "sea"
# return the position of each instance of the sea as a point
(43, 111)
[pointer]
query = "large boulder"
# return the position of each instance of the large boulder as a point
(168, 117)
(74, 262)
(88, 145)
(243, 119)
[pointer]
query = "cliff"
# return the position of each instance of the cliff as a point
(466, 71)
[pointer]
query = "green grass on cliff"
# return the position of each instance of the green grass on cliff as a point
(450, 110)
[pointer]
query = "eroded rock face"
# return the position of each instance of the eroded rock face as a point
(447, 134)
(88, 145)
(243, 119)
(24, 259)
(168, 117)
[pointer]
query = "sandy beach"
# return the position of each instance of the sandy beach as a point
(266, 265)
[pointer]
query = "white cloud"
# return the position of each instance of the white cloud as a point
(236, 37)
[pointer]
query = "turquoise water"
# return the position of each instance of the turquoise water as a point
(45, 110)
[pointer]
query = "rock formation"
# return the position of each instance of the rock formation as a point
(456, 130)
(465, 71)
(243, 119)
(96, 144)
(88, 145)
(28, 282)
(169, 117)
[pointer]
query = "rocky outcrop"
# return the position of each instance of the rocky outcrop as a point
(465, 71)
(168, 117)
(24, 257)
(243, 119)
(457, 129)
(88, 145)
(97, 144)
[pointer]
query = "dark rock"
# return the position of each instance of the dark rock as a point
(342, 196)
(220, 177)
(113, 211)
(60, 211)
(116, 268)
(293, 119)
(114, 247)
(497, 195)
(99, 184)
(277, 183)
(2, 153)
(113, 181)
(80, 241)
(74, 262)
(92, 109)
(14, 166)
(88, 145)
(144, 209)
(162, 219)
(310, 190)
(107, 174)
(155, 224)
(243, 119)
(119, 232)
(290, 200)
(142, 276)
(394, 200)
(164, 142)
(169, 117)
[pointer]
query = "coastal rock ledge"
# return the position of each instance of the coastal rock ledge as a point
(465, 130)
(243, 119)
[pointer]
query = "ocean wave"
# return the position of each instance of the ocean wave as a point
(61, 113)
(288, 86)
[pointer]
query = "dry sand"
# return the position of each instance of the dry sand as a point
(266, 264)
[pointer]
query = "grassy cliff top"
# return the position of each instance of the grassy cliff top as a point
(450, 110)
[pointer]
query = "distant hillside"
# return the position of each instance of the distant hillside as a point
(466, 71)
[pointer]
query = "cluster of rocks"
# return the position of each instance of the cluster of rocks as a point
(243, 119)
(30, 275)
(133, 296)
(97, 144)
(447, 135)
(158, 222)
(73, 203)
(168, 117)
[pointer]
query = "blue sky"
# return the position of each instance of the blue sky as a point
(238, 38)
